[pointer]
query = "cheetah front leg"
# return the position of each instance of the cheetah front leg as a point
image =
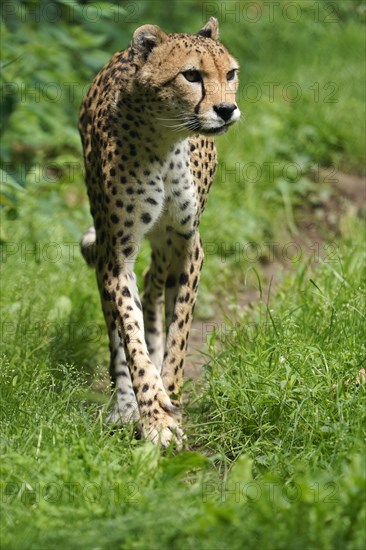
(157, 413)
(181, 294)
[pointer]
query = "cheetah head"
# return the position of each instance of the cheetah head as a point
(190, 80)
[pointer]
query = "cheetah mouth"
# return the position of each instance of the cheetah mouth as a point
(217, 130)
(196, 126)
(214, 131)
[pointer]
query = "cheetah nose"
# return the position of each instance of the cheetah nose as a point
(225, 110)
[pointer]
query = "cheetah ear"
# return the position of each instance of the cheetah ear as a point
(146, 38)
(211, 29)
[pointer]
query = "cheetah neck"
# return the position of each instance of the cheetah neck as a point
(150, 124)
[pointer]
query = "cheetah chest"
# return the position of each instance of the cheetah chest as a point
(180, 194)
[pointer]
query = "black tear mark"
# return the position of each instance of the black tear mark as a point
(197, 107)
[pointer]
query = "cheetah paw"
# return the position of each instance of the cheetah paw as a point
(163, 427)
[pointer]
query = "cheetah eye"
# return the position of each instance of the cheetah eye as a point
(192, 76)
(231, 75)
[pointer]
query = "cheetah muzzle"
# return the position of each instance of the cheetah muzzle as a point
(146, 125)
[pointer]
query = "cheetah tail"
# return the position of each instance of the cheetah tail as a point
(88, 246)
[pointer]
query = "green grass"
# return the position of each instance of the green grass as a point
(276, 430)
(281, 402)
(288, 370)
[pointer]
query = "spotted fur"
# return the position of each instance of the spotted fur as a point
(147, 125)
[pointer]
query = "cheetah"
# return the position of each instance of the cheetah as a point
(147, 125)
